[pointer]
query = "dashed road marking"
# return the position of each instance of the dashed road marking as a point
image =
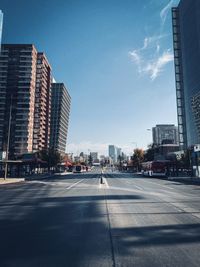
(69, 187)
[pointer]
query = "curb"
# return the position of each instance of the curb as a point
(11, 181)
(39, 178)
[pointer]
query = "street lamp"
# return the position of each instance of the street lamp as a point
(150, 130)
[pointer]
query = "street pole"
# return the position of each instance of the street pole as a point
(8, 140)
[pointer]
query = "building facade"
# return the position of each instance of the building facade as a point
(94, 156)
(112, 153)
(1, 27)
(41, 133)
(119, 152)
(18, 99)
(60, 111)
(186, 39)
(165, 134)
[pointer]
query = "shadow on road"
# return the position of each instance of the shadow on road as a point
(73, 230)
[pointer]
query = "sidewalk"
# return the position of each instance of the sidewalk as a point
(39, 176)
(45, 176)
(11, 180)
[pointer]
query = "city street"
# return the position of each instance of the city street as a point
(73, 220)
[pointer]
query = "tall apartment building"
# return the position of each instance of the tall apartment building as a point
(20, 75)
(186, 39)
(60, 110)
(41, 133)
(165, 134)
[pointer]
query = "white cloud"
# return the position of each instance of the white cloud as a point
(158, 48)
(156, 66)
(150, 59)
(164, 12)
(150, 41)
(136, 58)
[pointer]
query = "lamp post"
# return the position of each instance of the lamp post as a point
(152, 146)
(150, 130)
(8, 139)
(135, 143)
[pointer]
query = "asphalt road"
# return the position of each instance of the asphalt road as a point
(73, 220)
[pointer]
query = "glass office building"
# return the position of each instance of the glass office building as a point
(60, 111)
(186, 39)
(1, 26)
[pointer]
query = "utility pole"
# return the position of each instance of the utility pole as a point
(8, 139)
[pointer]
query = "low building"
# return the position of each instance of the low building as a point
(165, 134)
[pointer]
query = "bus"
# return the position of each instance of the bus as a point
(157, 168)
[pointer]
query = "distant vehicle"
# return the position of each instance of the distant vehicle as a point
(155, 168)
(88, 169)
(79, 168)
(96, 164)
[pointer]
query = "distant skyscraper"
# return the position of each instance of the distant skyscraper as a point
(20, 77)
(94, 156)
(1, 27)
(186, 39)
(112, 152)
(60, 109)
(165, 134)
(119, 152)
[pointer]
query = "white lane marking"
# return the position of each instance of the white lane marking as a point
(69, 187)
(106, 183)
(139, 187)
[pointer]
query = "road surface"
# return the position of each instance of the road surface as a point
(73, 220)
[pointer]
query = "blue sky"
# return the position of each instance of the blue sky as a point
(115, 57)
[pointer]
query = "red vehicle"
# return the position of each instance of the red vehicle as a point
(155, 168)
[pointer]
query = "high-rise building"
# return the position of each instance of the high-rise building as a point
(112, 153)
(60, 110)
(165, 134)
(1, 26)
(20, 75)
(186, 39)
(41, 133)
(119, 152)
(94, 156)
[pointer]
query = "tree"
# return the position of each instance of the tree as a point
(120, 160)
(51, 156)
(138, 157)
(151, 152)
(185, 159)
